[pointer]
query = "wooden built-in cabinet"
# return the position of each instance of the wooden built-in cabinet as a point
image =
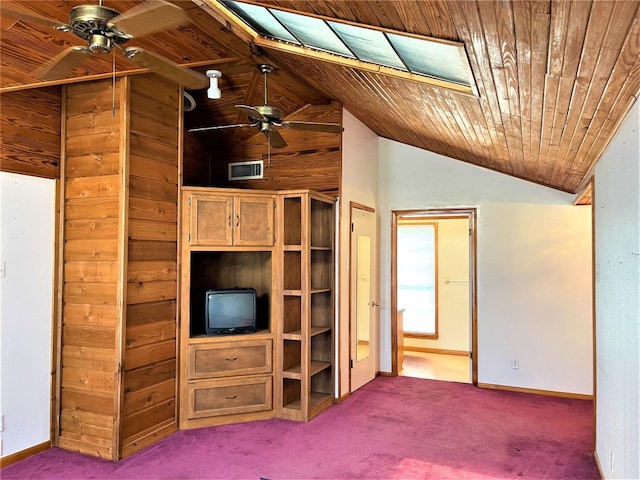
(227, 242)
(286, 368)
(241, 220)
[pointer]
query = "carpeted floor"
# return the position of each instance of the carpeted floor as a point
(392, 428)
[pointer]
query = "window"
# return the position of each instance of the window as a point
(431, 60)
(417, 273)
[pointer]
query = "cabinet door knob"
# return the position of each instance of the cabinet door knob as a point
(231, 359)
(237, 220)
(231, 397)
(229, 220)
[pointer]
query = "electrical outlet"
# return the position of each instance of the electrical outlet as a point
(515, 363)
(1, 423)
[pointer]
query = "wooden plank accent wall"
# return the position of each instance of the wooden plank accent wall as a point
(30, 132)
(197, 158)
(118, 345)
(311, 160)
(149, 403)
(91, 259)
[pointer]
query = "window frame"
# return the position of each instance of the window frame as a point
(249, 33)
(436, 282)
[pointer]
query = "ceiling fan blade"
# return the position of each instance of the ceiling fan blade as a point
(147, 18)
(164, 67)
(63, 63)
(32, 17)
(252, 113)
(313, 126)
(274, 137)
(220, 127)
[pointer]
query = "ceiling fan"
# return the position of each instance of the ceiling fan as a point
(105, 28)
(267, 118)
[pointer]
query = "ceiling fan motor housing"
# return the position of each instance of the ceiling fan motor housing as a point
(272, 113)
(91, 22)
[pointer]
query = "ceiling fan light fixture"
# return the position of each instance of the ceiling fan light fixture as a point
(213, 91)
(100, 43)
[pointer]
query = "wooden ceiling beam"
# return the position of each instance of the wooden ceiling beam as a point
(102, 76)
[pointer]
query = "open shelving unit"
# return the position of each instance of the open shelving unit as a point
(306, 360)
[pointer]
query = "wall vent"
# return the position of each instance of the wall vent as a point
(245, 170)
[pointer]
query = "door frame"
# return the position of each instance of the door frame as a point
(358, 206)
(587, 196)
(442, 213)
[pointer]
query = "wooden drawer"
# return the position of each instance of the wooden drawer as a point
(225, 359)
(229, 396)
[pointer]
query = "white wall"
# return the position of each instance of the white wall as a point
(617, 247)
(454, 311)
(360, 185)
(26, 295)
(534, 267)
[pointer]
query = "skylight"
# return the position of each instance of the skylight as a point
(421, 58)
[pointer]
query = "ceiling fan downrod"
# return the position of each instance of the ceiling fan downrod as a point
(266, 70)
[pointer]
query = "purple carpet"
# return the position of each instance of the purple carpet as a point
(392, 428)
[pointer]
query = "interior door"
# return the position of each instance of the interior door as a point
(456, 295)
(363, 297)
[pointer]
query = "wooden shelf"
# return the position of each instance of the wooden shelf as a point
(297, 334)
(292, 293)
(293, 405)
(260, 334)
(317, 367)
(318, 397)
(292, 335)
(316, 401)
(318, 330)
(320, 290)
(295, 372)
(299, 292)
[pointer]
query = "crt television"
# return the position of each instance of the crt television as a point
(228, 311)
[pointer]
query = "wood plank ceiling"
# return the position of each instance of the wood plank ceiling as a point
(555, 78)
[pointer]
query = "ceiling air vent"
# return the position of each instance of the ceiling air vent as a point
(245, 170)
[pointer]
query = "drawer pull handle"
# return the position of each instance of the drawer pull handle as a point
(231, 397)
(231, 359)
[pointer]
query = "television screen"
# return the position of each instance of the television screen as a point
(230, 311)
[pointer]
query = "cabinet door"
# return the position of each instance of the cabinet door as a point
(253, 220)
(211, 220)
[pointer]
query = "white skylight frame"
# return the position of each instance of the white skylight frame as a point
(396, 58)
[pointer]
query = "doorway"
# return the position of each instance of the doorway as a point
(433, 297)
(363, 296)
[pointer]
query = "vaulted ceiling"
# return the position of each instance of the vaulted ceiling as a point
(554, 78)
